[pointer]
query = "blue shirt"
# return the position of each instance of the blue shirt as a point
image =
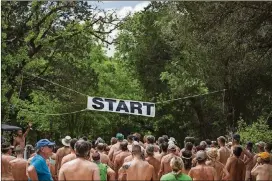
(41, 167)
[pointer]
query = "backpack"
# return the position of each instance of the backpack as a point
(103, 171)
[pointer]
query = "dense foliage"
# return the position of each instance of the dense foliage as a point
(169, 50)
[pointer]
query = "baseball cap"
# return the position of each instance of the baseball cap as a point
(264, 155)
(260, 144)
(120, 136)
(201, 155)
(236, 137)
(43, 143)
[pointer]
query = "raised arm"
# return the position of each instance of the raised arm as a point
(28, 129)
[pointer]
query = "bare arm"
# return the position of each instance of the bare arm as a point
(228, 165)
(248, 154)
(226, 174)
(32, 173)
(111, 153)
(255, 170)
(161, 169)
(57, 163)
(122, 174)
(14, 142)
(28, 129)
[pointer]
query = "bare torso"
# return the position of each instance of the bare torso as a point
(128, 158)
(19, 141)
(114, 148)
(203, 172)
(68, 158)
(62, 152)
(236, 168)
(263, 172)
(159, 156)
(165, 164)
(137, 169)
(223, 155)
(84, 169)
(156, 164)
(119, 160)
(218, 168)
(18, 168)
(6, 167)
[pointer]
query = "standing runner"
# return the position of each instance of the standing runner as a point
(65, 150)
(18, 165)
(5, 163)
(20, 138)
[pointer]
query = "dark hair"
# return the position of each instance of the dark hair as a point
(165, 137)
(160, 140)
(130, 137)
(82, 148)
(200, 147)
(189, 146)
(136, 150)
(208, 141)
(136, 138)
(100, 146)
(72, 143)
(113, 140)
(237, 151)
(187, 159)
(123, 146)
(268, 147)
(164, 146)
(150, 139)
(222, 139)
(85, 138)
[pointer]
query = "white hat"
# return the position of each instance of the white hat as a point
(66, 141)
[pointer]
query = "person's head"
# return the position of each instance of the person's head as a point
(265, 157)
(165, 137)
(221, 140)
(120, 137)
(66, 141)
(123, 145)
(237, 151)
(201, 157)
(136, 151)
(72, 143)
(130, 138)
(160, 140)
(96, 157)
(236, 139)
(203, 144)
(260, 145)
(20, 132)
(189, 139)
(214, 144)
(199, 148)
(176, 164)
(249, 146)
(150, 150)
(85, 138)
(113, 140)
(189, 146)
(138, 136)
(82, 149)
(100, 147)
(150, 139)
(106, 148)
(171, 148)
(268, 147)
(164, 147)
(212, 153)
(19, 150)
(209, 142)
(6, 148)
(187, 159)
(44, 148)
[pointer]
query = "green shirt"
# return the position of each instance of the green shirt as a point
(170, 177)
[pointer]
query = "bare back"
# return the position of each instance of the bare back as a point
(223, 155)
(218, 168)
(119, 160)
(202, 172)
(68, 158)
(84, 169)
(165, 164)
(18, 168)
(262, 172)
(128, 158)
(236, 168)
(156, 164)
(62, 152)
(137, 170)
(6, 167)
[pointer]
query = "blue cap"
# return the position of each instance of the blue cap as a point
(44, 142)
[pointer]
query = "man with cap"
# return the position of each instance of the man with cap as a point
(62, 152)
(18, 165)
(263, 168)
(106, 173)
(152, 160)
(260, 147)
(235, 166)
(72, 155)
(38, 169)
(202, 171)
(5, 163)
(80, 168)
(116, 147)
(165, 161)
(223, 151)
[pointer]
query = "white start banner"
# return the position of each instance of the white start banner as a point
(121, 106)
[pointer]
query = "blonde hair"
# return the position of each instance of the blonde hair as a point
(176, 164)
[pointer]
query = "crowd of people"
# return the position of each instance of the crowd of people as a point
(134, 158)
